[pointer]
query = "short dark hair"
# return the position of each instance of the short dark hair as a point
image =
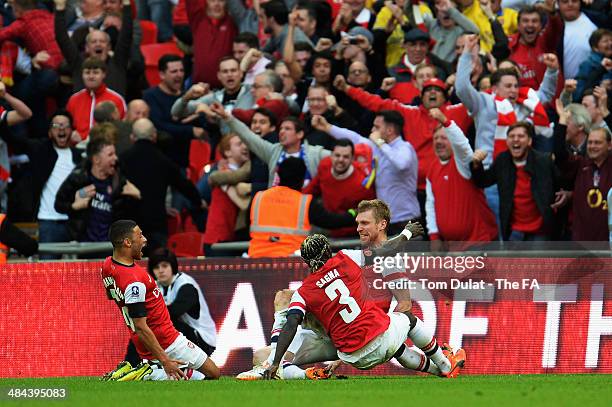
(121, 230)
(227, 58)
(160, 255)
(391, 117)
(291, 173)
(525, 125)
(297, 123)
(278, 10)
(344, 142)
(26, 4)
(247, 38)
(61, 112)
(269, 114)
(163, 62)
(303, 46)
(500, 73)
(310, 8)
(322, 55)
(597, 35)
(97, 144)
(93, 63)
(103, 112)
(529, 10)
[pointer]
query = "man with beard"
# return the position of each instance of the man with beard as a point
(275, 17)
(340, 183)
(95, 193)
(52, 160)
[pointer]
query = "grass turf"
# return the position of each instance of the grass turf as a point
(493, 390)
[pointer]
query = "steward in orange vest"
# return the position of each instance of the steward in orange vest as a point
(281, 216)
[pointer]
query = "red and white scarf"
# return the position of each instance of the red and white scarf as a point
(528, 107)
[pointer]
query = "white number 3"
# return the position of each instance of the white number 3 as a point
(338, 287)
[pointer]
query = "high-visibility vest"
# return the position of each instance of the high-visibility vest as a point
(279, 222)
(4, 249)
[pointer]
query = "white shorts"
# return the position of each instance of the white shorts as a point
(186, 352)
(312, 347)
(383, 347)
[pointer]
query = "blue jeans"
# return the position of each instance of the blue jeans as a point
(52, 231)
(160, 12)
(492, 196)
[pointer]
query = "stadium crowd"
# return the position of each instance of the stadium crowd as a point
(268, 120)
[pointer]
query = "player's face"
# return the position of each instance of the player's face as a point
(138, 242)
(163, 273)
(371, 232)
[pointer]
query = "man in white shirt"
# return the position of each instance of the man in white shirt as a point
(578, 29)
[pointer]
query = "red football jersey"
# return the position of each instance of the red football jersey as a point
(130, 285)
(336, 296)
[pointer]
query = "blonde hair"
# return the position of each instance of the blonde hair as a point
(379, 209)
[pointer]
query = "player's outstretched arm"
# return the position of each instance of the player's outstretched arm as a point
(150, 341)
(284, 340)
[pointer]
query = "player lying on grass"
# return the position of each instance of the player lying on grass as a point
(363, 334)
(138, 297)
(311, 344)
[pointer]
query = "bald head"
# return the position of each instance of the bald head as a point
(143, 129)
(137, 109)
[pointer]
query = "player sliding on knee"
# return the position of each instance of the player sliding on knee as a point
(364, 335)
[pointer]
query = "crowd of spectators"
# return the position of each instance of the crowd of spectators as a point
(483, 119)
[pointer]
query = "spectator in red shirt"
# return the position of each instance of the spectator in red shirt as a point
(340, 183)
(213, 34)
(81, 105)
(33, 29)
(457, 210)
(531, 42)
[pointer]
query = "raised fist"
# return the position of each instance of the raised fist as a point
(340, 83)
(388, 84)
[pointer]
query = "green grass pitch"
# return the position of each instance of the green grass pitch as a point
(491, 391)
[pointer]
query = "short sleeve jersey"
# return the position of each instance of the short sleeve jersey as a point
(336, 296)
(132, 285)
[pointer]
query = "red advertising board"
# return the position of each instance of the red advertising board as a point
(55, 319)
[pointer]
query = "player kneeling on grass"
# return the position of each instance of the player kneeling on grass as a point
(172, 356)
(364, 335)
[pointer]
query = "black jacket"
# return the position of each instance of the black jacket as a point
(545, 181)
(123, 206)
(24, 197)
(152, 172)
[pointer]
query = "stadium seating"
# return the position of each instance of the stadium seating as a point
(187, 244)
(152, 53)
(199, 156)
(149, 32)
